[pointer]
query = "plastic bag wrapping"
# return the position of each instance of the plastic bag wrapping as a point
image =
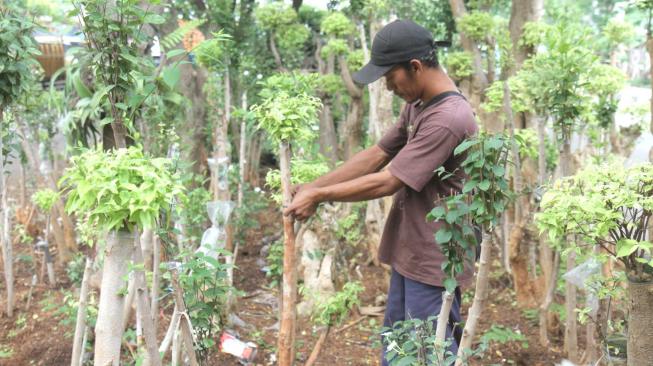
(220, 168)
(579, 276)
(215, 237)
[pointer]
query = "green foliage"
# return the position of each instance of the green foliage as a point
(618, 32)
(275, 15)
(534, 34)
(286, 115)
(335, 47)
(607, 205)
(477, 25)
(211, 52)
(75, 268)
(337, 25)
(605, 83)
(334, 310)
(274, 260)
(494, 96)
(459, 64)
(17, 52)
(45, 199)
(303, 171)
(484, 197)
(294, 36)
(119, 189)
(502, 335)
(329, 85)
(412, 342)
(350, 228)
(560, 71)
(355, 60)
(206, 289)
(294, 84)
(526, 139)
(67, 310)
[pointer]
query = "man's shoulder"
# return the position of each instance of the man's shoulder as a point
(454, 113)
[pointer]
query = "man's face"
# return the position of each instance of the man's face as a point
(403, 83)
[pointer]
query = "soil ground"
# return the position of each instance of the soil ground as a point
(36, 336)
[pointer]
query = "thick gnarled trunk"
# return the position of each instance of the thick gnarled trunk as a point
(640, 323)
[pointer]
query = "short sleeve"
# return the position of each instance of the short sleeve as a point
(395, 138)
(416, 163)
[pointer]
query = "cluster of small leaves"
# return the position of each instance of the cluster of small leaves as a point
(286, 115)
(412, 343)
(329, 85)
(303, 171)
(210, 53)
(206, 289)
(333, 310)
(17, 55)
(618, 32)
(561, 71)
(484, 197)
(275, 15)
(502, 335)
(494, 96)
(274, 262)
(477, 25)
(119, 189)
(534, 34)
(608, 205)
(350, 228)
(527, 141)
(334, 47)
(459, 64)
(605, 83)
(45, 199)
(355, 60)
(67, 310)
(337, 25)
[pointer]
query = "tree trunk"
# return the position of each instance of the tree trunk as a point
(80, 325)
(275, 52)
(649, 48)
(548, 300)
(571, 327)
(108, 330)
(522, 12)
(479, 79)
(191, 85)
(328, 138)
(640, 323)
(480, 296)
(156, 281)
(286, 342)
(254, 158)
(242, 152)
(5, 239)
(443, 321)
(144, 315)
(351, 133)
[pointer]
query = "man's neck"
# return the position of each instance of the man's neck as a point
(437, 83)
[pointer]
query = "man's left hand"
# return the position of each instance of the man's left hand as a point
(303, 205)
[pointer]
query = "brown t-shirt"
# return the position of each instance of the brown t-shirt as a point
(421, 142)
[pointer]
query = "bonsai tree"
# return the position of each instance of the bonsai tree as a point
(610, 206)
(287, 113)
(486, 158)
(119, 191)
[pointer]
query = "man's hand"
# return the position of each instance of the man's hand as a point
(304, 203)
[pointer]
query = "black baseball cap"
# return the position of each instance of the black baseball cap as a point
(399, 41)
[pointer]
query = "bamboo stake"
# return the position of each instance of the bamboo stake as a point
(480, 296)
(80, 325)
(286, 341)
(186, 326)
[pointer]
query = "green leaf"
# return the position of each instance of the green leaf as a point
(153, 19)
(626, 247)
(171, 76)
(450, 285)
(443, 236)
(407, 361)
(175, 52)
(484, 185)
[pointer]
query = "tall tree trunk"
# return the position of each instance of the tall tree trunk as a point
(548, 300)
(479, 79)
(640, 323)
(480, 296)
(191, 86)
(522, 12)
(351, 133)
(108, 330)
(5, 221)
(242, 152)
(328, 138)
(143, 305)
(286, 342)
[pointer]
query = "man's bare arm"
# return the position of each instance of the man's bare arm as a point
(368, 161)
(363, 188)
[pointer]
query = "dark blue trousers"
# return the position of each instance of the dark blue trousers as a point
(409, 299)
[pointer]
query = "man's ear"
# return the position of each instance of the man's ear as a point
(416, 65)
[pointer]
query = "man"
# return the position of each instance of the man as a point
(434, 121)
